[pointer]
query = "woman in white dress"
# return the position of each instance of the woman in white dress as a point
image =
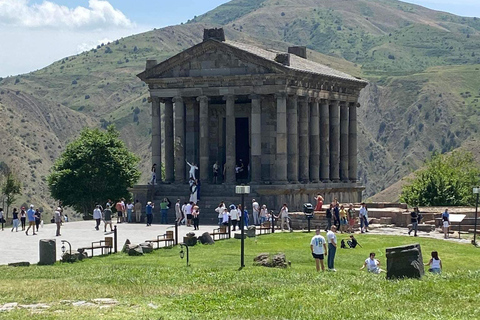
(193, 193)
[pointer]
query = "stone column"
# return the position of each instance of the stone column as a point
(256, 138)
(204, 149)
(281, 157)
(352, 142)
(324, 141)
(314, 141)
(179, 140)
(303, 146)
(343, 141)
(230, 177)
(168, 140)
(292, 142)
(156, 136)
(334, 141)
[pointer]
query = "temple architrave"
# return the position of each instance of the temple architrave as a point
(283, 124)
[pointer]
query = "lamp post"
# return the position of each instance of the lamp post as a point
(242, 190)
(477, 192)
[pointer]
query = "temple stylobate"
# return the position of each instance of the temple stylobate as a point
(272, 119)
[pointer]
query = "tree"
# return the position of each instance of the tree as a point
(95, 167)
(10, 189)
(446, 180)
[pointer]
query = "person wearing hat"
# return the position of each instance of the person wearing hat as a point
(58, 220)
(107, 218)
(31, 219)
(149, 212)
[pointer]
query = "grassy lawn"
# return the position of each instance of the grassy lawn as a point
(160, 286)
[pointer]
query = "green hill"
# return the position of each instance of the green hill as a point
(422, 64)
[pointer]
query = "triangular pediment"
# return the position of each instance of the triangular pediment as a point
(209, 59)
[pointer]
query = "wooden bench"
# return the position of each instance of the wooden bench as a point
(104, 245)
(221, 232)
(265, 228)
(166, 238)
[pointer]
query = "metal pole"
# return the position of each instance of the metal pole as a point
(176, 232)
(115, 238)
(475, 228)
(229, 227)
(273, 223)
(242, 248)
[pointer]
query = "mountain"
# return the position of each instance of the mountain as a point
(423, 66)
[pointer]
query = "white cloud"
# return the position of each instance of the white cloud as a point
(85, 46)
(99, 14)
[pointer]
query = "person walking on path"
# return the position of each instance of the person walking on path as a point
(164, 211)
(332, 248)
(283, 215)
(16, 222)
(97, 216)
(138, 211)
(2, 220)
(372, 264)
(107, 218)
(319, 200)
(328, 215)
(149, 213)
(31, 220)
(318, 247)
(23, 218)
(178, 213)
(130, 208)
(191, 172)
(446, 223)
(38, 218)
(435, 263)
(58, 220)
(363, 216)
(414, 221)
(256, 212)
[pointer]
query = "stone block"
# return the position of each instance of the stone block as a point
(19, 264)
(206, 238)
(48, 251)
(405, 262)
(251, 231)
(147, 247)
(134, 250)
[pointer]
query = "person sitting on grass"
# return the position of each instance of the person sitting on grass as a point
(372, 264)
(353, 243)
(318, 246)
(435, 263)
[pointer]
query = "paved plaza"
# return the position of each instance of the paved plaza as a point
(16, 246)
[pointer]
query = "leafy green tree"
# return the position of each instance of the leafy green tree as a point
(446, 180)
(10, 189)
(95, 167)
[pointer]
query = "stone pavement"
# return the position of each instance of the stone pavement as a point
(16, 246)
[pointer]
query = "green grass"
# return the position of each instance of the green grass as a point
(214, 288)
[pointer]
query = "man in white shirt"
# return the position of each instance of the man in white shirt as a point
(284, 217)
(256, 212)
(332, 248)
(97, 215)
(372, 264)
(319, 248)
(363, 217)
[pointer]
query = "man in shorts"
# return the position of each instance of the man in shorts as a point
(31, 219)
(318, 245)
(372, 264)
(107, 218)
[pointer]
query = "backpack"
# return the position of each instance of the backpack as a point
(342, 244)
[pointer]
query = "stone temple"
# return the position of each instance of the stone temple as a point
(288, 122)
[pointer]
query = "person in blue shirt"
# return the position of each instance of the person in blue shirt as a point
(31, 219)
(149, 212)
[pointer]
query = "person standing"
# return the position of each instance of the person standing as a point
(189, 209)
(178, 213)
(332, 248)
(191, 172)
(234, 216)
(256, 212)
(446, 223)
(215, 172)
(16, 222)
(343, 219)
(138, 211)
(219, 210)
(164, 211)
(2, 220)
(58, 220)
(351, 217)
(97, 215)
(31, 220)
(329, 215)
(414, 221)
(23, 218)
(107, 218)
(372, 264)
(38, 218)
(149, 213)
(119, 207)
(319, 248)
(336, 215)
(130, 208)
(243, 214)
(196, 217)
(363, 216)
(225, 217)
(283, 215)
(263, 214)
(153, 179)
(193, 192)
(319, 200)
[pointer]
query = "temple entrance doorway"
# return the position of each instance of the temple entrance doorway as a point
(242, 149)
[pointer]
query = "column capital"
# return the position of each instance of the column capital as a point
(343, 104)
(254, 96)
(165, 100)
(229, 98)
(203, 99)
(280, 95)
(334, 102)
(178, 99)
(293, 97)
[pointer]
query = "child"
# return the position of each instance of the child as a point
(435, 263)
(372, 264)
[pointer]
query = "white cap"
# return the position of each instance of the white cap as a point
(31, 206)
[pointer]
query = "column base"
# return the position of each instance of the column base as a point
(315, 181)
(293, 182)
(326, 181)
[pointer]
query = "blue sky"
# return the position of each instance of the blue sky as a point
(39, 32)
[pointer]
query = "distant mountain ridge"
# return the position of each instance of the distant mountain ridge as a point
(422, 65)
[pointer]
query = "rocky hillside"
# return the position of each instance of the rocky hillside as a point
(422, 65)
